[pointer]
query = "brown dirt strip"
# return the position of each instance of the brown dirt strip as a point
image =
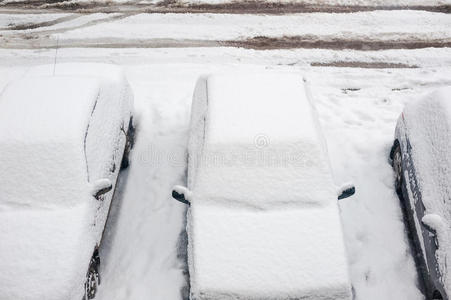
(294, 42)
(171, 6)
(365, 65)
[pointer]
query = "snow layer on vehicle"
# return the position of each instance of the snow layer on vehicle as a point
(247, 254)
(428, 123)
(44, 141)
(45, 253)
(262, 144)
(43, 123)
(45, 201)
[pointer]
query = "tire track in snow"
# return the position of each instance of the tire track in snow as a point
(27, 26)
(233, 7)
(43, 33)
(42, 41)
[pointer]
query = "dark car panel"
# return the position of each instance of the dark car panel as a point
(414, 210)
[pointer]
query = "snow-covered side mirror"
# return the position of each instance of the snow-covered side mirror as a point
(346, 190)
(101, 187)
(432, 222)
(181, 194)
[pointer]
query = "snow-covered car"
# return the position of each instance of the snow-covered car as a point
(421, 161)
(263, 218)
(65, 134)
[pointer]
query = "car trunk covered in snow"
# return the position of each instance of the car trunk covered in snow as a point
(264, 220)
(428, 123)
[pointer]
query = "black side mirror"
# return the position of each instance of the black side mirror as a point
(101, 187)
(432, 223)
(429, 228)
(181, 194)
(346, 192)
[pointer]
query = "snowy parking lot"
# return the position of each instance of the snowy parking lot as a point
(359, 96)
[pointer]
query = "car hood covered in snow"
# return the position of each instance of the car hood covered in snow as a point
(279, 254)
(428, 125)
(45, 253)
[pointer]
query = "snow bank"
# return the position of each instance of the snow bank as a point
(428, 123)
(257, 155)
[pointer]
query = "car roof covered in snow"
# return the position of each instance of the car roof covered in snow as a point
(48, 108)
(262, 142)
(244, 108)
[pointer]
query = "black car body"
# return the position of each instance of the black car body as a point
(420, 160)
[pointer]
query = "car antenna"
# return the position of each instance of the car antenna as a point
(56, 54)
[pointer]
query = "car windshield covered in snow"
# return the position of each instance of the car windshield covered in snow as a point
(43, 125)
(249, 146)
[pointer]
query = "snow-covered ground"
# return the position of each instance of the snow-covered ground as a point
(307, 2)
(125, 28)
(212, 26)
(143, 251)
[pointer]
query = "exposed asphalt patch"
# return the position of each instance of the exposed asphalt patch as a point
(362, 64)
(309, 42)
(173, 6)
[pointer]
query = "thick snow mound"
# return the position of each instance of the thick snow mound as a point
(261, 143)
(428, 123)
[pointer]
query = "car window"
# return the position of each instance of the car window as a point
(102, 138)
